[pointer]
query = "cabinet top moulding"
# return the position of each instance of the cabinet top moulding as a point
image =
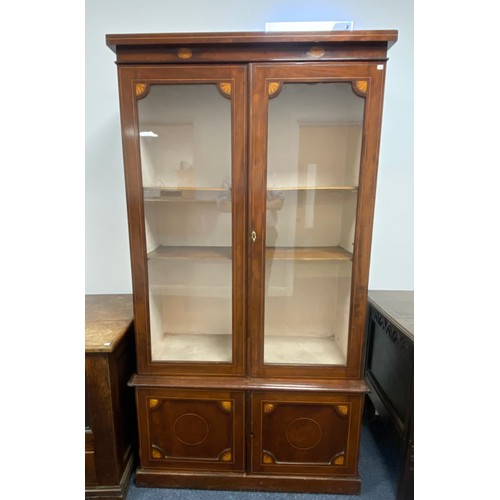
(389, 36)
(251, 46)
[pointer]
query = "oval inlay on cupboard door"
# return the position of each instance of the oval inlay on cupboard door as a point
(304, 433)
(191, 429)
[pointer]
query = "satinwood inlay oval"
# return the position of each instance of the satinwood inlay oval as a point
(184, 53)
(316, 52)
(304, 433)
(191, 429)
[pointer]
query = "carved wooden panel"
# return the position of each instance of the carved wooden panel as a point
(390, 365)
(305, 433)
(192, 429)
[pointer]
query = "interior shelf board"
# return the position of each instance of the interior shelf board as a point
(308, 253)
(314, 188)
(225, 253)
(178, 199)
(187, 194)
(190, 252)
(184, 188)
(269, 188)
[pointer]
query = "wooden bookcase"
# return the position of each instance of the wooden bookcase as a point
(250, 164)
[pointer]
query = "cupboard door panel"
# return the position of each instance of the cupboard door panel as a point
(305, 434)
(191, 430)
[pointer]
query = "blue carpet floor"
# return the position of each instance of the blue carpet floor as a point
(378, 468)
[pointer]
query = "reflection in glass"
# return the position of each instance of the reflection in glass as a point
(185, 138)
(314, 148)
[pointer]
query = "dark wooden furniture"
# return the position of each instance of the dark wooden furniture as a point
(110, 421)
(250, 167)
(389, 371)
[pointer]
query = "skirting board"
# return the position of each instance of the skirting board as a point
(118, 492)
(251, 482)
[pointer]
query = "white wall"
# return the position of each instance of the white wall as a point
(107, 251)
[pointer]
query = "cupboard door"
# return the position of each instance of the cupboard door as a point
(191, 430)
(305, 434)
(314, 146)
(184, 130)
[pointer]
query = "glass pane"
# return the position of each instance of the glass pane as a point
(185, 137)
(314, 148)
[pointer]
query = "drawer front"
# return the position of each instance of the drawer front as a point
(90, 472)
(305, 433)
(191, 430)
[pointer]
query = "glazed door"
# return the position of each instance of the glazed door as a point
(184, 131)
(312, 177)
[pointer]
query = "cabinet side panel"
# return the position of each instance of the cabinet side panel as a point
(122, 367)
(101, 419)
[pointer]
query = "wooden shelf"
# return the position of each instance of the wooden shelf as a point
(210, 194)
(175, 189)
(183, 188)
(308, 253)
(191, 252)
(342, 189)
(193, 291)
(279, 253)
(180, 199)
(182, 194)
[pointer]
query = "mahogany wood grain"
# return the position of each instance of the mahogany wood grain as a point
(254, 37)
(251, 47)
(189, 429)
(245, 481)
(248, 383)
(242, 54)
(303, 433)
